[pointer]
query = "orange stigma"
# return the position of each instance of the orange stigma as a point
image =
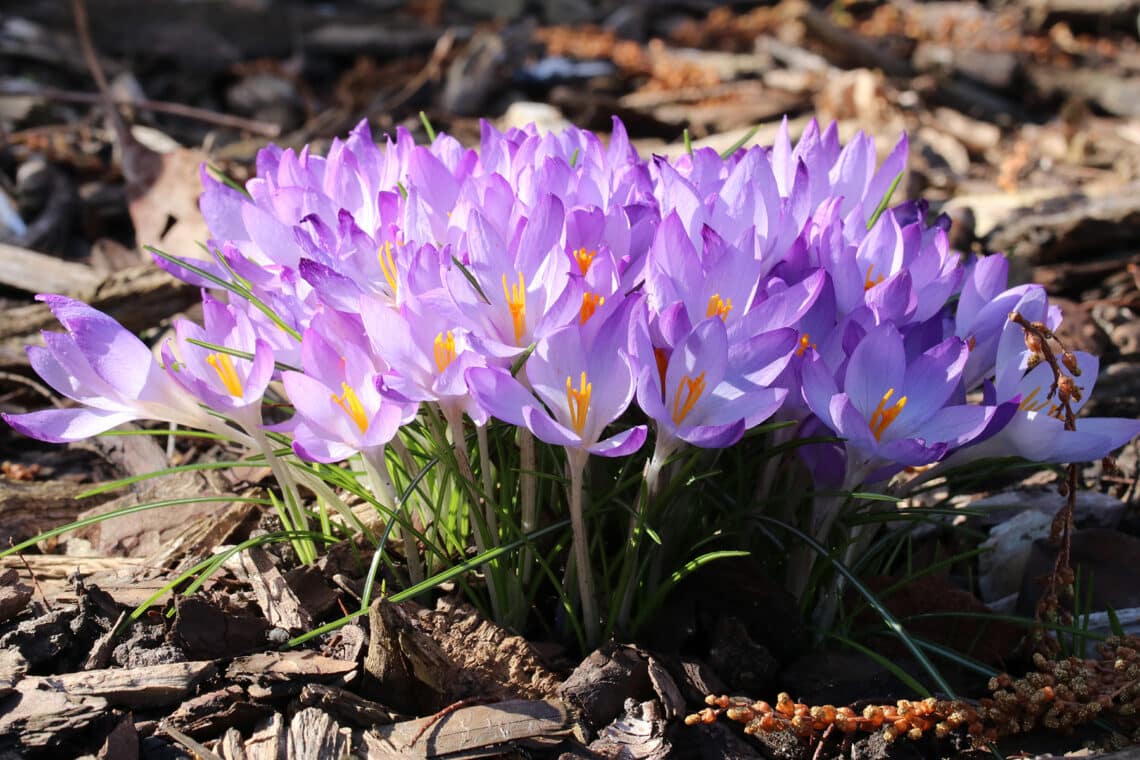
(590, 304)
(662, 359)
(223, 364)
(444, 350)
(689, 391)
(719, 307)
(516, 302)
(350, 403)
(805, 344)
(578, 399)
(388, 266)
(585, 259)
(871, 282)
(883, 415)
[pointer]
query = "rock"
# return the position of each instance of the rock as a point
(1093, 508)
(545, 117)
(1001, 567)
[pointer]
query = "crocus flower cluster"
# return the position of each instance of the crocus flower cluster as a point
(553, 282)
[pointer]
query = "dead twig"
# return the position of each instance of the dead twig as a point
(35, 583)
(1038, 338)
(262, 128)
(431, 720)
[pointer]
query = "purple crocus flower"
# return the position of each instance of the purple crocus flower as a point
(1037, 431)
(585, 387)
(522, 280)
(429, 345)
(229, 384)
(708, 392)
(339, 404)
(103, 366)
(892, 411)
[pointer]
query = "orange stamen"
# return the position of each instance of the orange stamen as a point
(871, 282)
(350, 403)
(516, 302)
(883, 415)
(689, 391)
(805, 344)
(579, 401)
(585, 259)
(223, 364)
(590, 304)
(1028, 404)
(719, 307)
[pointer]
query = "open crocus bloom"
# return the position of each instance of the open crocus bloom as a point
(891, 411)
(100, 364)
(584, 387)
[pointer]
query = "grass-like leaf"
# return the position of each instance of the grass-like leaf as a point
(740, 143)
(888, 619)
(886, 663)
(124, 511)
(885, 200)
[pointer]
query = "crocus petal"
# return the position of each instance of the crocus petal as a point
(876, 365)
(499, 394)
(713, 436)
(625, 442)
(546, 428)
(64, 425)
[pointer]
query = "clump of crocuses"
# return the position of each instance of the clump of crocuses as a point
(593, 299)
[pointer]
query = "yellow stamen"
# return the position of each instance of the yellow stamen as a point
(388, 266)
(871, 282)
(585, 259)
(590, 304)
(719, 307)
(444, 350)
(579, 401)
(516, 302)
(351, 405)
(1028, 404)
(883, 415)
(971, 342)
(805, 344)
(689, 391)
(223, 364)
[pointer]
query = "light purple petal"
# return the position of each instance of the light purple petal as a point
(625, 442)
(499, 394)
(877, 364)
(64, 425)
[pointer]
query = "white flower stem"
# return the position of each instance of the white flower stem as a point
(487, 479)
(576, 459)
(380, 483)
(416, 565)
(305, 550)
(528, 487)
(454, 418)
